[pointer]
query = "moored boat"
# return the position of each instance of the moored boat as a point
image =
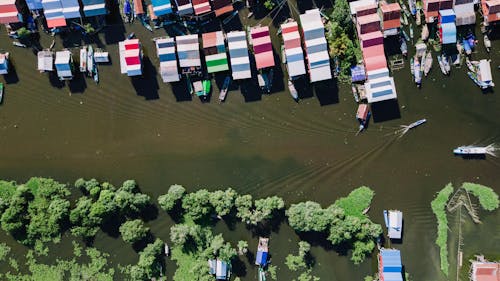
(293, 91)
(83, 59)
(475, 150)
(167, 249)
(18, 44)
(4, 62)
(418, 18)
(417, 72)
(90, 60)
(394, 223)
(1, 92)
(411, 31)
(412, 67)
(487, 43)
(441, 65)
(262, 252)
(425, 32)
(405, 35)
(355, 93)
(363, 115)
(224, 89)
(403, 47)
(473, 77)
(428, 63)
(467, 47)
(446, 62)
(471, 65)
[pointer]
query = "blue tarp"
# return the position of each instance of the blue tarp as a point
(34, 4)
(261, 258)
(447, 16)
(161, 7)
(94, 8)
(358, 73)
(449, 31)
(127, 9)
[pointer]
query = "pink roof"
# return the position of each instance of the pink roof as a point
(132, 57)
(366, 10)
(290, 27)
(390, 7)
(209, 39)
(8, 12)
(371, 35)
(201, 6)
(138, 7)
(374, 57)
(56, 22)
(486, 271)
(368, 19)
(262, 47)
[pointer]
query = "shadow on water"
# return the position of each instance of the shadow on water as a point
(54, 80)
(78, 83)
(278, 85)
(233, 25)
(304, 6)
(385, 110)
(304, 90)
(238, 267)
(392, 46)
(317, 239)
(181, 91)
(327, 92)
(114, 31)
(250, 90)
(147, 85)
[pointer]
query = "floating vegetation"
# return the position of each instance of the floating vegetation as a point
(487, 197)
(439, 209)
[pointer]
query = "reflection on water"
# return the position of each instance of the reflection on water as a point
(261, 144)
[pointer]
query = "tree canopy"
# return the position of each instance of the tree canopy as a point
(133, 231)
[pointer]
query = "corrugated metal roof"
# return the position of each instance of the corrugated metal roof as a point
(377, 91)
(162, 7)
(168, 60)
(138, 8)
(8, 12)
(293, 49)
(71, 9)
(262, 47)
(238, 53)
(221, 270)
(45, 61)
(387, 8)
(201, 7)
(360, 3)
(188, 50)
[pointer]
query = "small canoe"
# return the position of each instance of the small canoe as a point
(446, 62)
(386, 219)
(441, 65)
(411, 31)
(83, 59)
(425, 32)
(131, 35)
(355, 92)
(283, 55)
(412, 68)
(167, 249)
(403, 47)
(428, 63)
(17, 44)
(224, 89)
(405, 35)
(487, 43)
(293, 91)
(417, 72)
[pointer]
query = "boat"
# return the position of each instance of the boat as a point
(96, 74)
(417, 72)
(366, 210)
(425, 32)
(413, 7)
(405, 35)
(18, 44)
(403, 19)
(473, 77)
(189, 84)
(412, 67)
(460, 47)
(405, 10)
(471, 65)
(167, 249)
(428, 63)
(467, 46)
(1, 92)
(361, 92)
(83, 59)
(230, 17)
(411, 31)
(262, 252)
(394, 223)
(446, 62)
(293, 91)
(418, 18)
(224, 89)
(487, 43)
(131, 35)
(262, 274)
(355, 93)
(441, 65)
(283, 56)
(472, 150)
(90, 60)
(52, 44)
(363, 115)
(403, 47)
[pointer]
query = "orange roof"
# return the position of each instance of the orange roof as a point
(368, 19)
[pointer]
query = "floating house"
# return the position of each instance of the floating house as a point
(485, 271)
(201, 7)
(262, 47)
(262, 252)
(313, 33)
(34, 5)
(238, 54)
(447, 29)
(362, 5)
(169, 71)
(371, 39)
(92, 8)
(214, 48)
(394, 223)
(138, 8)
(464, 12)
(374, 57)
(368, 23)
(389, 265)
(188, 51)
(71, 9)
(64, 65)
(431, 10)
(9, 11)
(53, 12)
(380, 86)
(390, 16)
(222, 7)
(4, 63)
(221, 270)
(130, 57)
(184, 7)
(293, 50)
(161, 7)
(484, 73)
(45, 61)
(491, 11)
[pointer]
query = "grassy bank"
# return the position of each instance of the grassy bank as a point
(438, 208)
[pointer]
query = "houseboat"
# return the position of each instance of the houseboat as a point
(238, 54)
(64, 65)
(293, 55)
(394, 223)
(264, 57)
(214, 48)
(45, 61)
(130, 57)
(363, 115)
(262, 252)
(165, 49)
(390, 267)
(188, 52)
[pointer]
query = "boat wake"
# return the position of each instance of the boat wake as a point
(405, 128)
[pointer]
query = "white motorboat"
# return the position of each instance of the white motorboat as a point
(475, 150)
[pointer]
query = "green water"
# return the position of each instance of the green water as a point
(137, 128)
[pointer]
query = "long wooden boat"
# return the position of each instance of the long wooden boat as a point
(487, 43)
(355, 93)
(417, 72)
(428, 63)
(293, 91)
(441, 65)
(224, 89)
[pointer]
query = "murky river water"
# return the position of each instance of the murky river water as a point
(263, 145)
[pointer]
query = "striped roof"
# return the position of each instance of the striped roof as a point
(214, 48)
(53, 12)
(138, 8)
(63, 63)
(238, 53)
(293, 49)
(262, 47)
(380, 88)
(184, 7)
(130, 57)
(34, 4)
(188, 50)
(94, 8)
(390, 268)
(201, 7)
(8, 11)
(161, 7)
(222, 7)
(71, 9)
(316, 46)
(168, 60)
